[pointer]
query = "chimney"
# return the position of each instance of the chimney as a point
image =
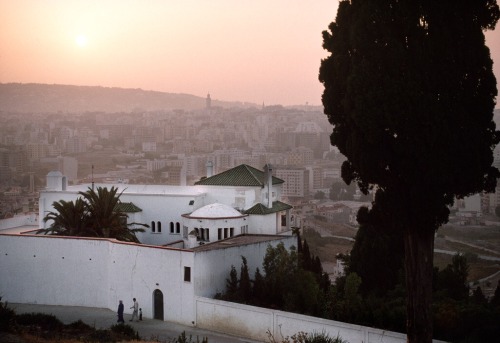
(210, 168)
(268, 173)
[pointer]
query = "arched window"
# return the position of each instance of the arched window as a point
(153, 227)
(159, 226)
(171, 227)
(177, 227)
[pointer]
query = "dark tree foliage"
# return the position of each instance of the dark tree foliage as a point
(495, 301)
(378, 253)
(245, 286)
(232, 286)
(408, 85)
(258, 289)
(452, 280)
(285, 286)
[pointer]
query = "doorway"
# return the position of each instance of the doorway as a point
(158, 304)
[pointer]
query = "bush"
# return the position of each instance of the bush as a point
(7, 318)
(302, 337)
(124, 330)
(46, 322)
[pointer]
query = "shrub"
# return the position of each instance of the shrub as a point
(7, 317)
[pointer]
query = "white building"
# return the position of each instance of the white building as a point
(196, 234)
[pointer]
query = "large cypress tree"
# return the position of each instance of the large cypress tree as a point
(410, 92)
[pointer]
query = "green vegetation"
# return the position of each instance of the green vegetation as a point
(302, 337)
(94, 214)
(48, 328)
(293, 281)
(372, 292)
(406, 84)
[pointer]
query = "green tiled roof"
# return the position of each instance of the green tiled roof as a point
(278, 206)
(127, 207)
(242, 175)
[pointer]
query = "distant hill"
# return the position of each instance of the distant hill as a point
(43, 98)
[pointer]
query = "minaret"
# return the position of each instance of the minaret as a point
(268, 175)
(208, 102)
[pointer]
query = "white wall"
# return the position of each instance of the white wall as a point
(254, 322)
(95, 273)
(240, 197)
(24, 220)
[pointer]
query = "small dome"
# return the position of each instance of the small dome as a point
(215, 210)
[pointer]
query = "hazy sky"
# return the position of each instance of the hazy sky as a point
(257, 51)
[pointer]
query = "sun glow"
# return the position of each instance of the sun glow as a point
(81, 40)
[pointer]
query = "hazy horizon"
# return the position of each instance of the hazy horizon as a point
(257, 52)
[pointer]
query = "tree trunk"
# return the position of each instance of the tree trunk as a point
(419, 250)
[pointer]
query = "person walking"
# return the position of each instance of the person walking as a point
(135, 307)
(120, 312)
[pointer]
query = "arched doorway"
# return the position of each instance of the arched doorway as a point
(157, 304)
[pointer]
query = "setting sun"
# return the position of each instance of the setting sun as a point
(81, 40)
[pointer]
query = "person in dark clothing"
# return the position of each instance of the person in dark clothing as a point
(120, 313)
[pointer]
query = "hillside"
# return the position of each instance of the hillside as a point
(43, 98)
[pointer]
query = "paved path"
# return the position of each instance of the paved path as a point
(149, 329)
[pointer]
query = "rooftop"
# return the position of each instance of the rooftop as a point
(237, 241)
(242, 175)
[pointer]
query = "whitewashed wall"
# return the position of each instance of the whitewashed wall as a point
(24, 220)
(254, 322)
(95, 273)
(240, 197)
(263, 224)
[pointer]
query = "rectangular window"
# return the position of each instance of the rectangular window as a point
(219, 233)
(231, 232)
(225, 232)
(187, 274)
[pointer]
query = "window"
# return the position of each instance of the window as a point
(207, 234)
(219, 233)
(159, 226)
(225, 232)
(187, 274)
(153, 227)
(231, 232)
(177, 227)
(171, 227)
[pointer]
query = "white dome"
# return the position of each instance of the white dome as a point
(215, 210)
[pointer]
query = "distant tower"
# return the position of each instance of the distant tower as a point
(208, 102)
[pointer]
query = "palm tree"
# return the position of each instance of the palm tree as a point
(69, 219)
(105, 216)
(94, 214)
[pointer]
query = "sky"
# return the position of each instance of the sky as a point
(259, 51)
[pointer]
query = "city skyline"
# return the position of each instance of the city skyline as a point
(258, 52)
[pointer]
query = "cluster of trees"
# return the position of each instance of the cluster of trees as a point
(96, 213)
(376, 266)
(293, 281)
(372, 292)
